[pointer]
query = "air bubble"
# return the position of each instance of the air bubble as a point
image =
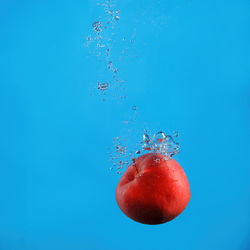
(97, 26)
(102, 86)
(157, 160)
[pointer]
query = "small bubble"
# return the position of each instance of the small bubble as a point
(157, 160)
(176, 134)
(103, 86)
(166, 158)
(97, 26)
(134, 108)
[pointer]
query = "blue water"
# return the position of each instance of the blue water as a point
(187, 70)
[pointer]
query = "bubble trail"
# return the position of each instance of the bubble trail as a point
(101, 38)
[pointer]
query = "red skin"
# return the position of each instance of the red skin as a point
(153, 191)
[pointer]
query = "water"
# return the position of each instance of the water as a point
(123, 152)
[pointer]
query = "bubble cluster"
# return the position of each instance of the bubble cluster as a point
(120, 156)
(159, 142)
(103, 86)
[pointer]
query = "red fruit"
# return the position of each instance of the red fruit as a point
(153, 190)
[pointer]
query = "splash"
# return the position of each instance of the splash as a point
(159, 142)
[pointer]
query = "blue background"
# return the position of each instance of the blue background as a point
(190, 73)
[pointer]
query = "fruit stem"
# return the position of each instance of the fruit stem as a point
(135, 166)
